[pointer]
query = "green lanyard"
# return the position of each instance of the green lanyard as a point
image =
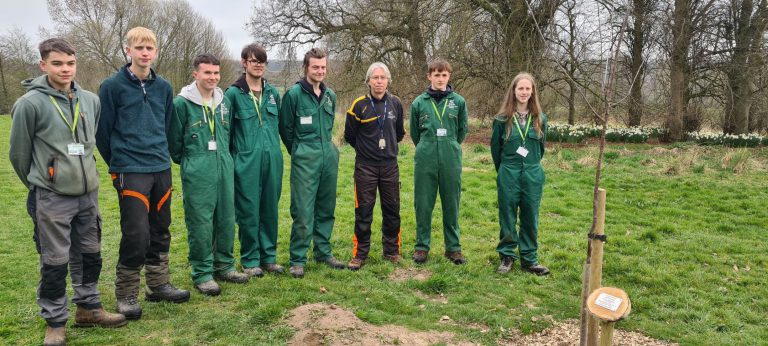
(439, 115)
(527, 127)
(257, 103)
(76, 116)
(212, 119)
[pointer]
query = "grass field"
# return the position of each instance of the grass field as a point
(687, 241)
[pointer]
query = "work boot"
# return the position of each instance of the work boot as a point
(297, 271)
(209, 288)
(129, 307)
(420, 256)
(506, 264)
(55, 336)
(98, 317)
(456, 257)
(254, 271)
(334, 263)
(166, 292)
(537, 269)
(234, 277)
(273, 268)
(393, 258)
(355, 264)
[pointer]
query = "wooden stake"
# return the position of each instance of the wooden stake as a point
(596, 264)
(606, 337)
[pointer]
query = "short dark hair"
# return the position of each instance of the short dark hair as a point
(205, 58)
(439, 64)
(254, 50)
(55, 45)
(314, 53)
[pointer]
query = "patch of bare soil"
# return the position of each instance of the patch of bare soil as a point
(405, 274)
(321, 325)
(567, 334)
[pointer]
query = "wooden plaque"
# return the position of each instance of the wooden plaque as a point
(609, 304)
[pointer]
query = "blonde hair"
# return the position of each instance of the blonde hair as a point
(509, 106)
(140, 34)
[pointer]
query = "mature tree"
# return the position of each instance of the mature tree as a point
(97, 28)
(641, 14)
(17, 62)
(744, 31)
(688, 19)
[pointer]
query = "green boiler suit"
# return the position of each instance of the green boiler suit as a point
(306, 128)
(437, 130)
(198, 140)
(519, 184)
(258, 170)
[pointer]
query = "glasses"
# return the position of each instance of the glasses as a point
(256, 62)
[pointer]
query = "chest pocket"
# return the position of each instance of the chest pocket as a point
(306, 121)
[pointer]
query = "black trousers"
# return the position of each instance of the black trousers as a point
(145, 217)
(368, 179)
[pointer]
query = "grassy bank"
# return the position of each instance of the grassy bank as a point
(687, 240)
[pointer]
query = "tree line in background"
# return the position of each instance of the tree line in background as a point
(684, 64)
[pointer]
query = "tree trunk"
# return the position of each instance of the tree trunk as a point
(637, 68)
(679, 70)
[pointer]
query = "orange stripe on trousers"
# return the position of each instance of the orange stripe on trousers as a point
(354, 245)
(165, 198)
(138, 195)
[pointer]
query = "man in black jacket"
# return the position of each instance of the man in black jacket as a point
(374, 127)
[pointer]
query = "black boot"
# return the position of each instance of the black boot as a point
(167, 293)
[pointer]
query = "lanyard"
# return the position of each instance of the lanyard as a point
(527, 127)
(439, 115)
(75, 116)
(380, 119)
(210, 120)
(257, 103)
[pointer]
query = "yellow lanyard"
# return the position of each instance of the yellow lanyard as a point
(527, 127)
(439, 116)
(75, 116)
(212, 119)
(257, 103)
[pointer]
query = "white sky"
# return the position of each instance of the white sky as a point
(228, 16)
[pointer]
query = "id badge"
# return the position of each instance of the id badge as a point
(382, 143)
(442, 132)
(212, 145)
(522, 151)
(76, 149)
(305, 120)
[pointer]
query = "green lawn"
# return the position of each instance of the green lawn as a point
(687, 241)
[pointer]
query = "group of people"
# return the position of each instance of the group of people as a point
(228, 146)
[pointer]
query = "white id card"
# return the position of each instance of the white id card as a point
(305, 120)
(212, 145)
(382, 143)
(442, 132)
(76, 149)
(522, 151)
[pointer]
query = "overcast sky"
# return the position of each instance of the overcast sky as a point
(229, 16)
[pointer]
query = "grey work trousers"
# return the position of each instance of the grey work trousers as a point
(67, 234)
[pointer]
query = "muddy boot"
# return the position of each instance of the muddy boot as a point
(159, 287)
(55, 336)
(98, 317)
(127, 291)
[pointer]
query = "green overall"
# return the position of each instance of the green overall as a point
(437, 130)
(258, 170)
(306, 127)
(207, 181)
(520, 182)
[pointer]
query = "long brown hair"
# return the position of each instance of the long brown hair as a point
(509, 106)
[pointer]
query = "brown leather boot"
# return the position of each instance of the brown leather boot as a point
(55, 336)
(98, 317)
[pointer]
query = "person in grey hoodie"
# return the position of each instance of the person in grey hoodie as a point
(198, 140)
(51, 150)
